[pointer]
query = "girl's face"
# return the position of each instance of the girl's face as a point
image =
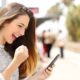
(15, 28)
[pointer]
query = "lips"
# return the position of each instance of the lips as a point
(13, 37)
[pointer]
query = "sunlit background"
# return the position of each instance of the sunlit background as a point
(67, 68)
(42, 5)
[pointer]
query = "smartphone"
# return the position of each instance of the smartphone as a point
(53, 61)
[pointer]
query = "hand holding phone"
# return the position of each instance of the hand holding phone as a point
(53, 61)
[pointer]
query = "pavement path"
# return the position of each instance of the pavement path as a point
(67, 68)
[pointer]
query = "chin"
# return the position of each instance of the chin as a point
(9, 42)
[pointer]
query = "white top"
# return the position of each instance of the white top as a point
(62, 26)
(5, 60)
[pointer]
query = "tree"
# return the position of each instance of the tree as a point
(73, 22)
(54, 11)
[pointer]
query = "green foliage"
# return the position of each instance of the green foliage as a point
(54, 11)
(73, 22)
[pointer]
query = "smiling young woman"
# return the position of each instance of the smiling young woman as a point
(18, 54)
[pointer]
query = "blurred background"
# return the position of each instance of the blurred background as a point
(57, 32)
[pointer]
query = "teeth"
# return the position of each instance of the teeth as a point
(16, 36)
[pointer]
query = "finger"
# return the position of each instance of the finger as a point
(49, 68)
(48, 72)
(26, 49)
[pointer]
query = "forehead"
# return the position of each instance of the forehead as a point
(24, 19)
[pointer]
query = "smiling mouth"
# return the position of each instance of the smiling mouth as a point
(13, 37)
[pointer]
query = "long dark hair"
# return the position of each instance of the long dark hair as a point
(28, 39)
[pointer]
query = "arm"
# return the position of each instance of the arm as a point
(21, 54)
(7, 73)
(42, 74)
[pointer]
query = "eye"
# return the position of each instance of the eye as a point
(20, 26)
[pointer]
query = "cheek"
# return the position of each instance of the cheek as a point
(13, 29)
(9, 32)
(7, 35)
